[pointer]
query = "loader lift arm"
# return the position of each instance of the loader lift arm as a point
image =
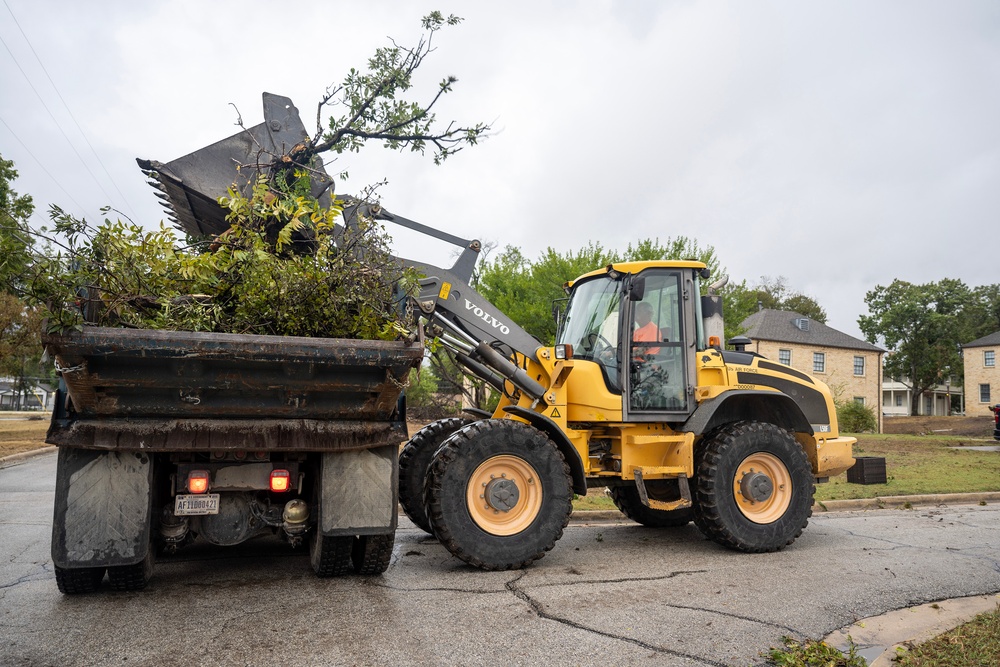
(465, 321)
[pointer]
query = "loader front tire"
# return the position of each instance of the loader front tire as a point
(754, 487)
(498, 494)
(627, 500)
(413, 462)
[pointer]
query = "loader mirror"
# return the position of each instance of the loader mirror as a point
(637, 290)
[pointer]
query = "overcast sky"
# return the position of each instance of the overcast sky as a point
(838, 144)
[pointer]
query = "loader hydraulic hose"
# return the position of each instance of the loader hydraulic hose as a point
(509, 370)
(481, 371)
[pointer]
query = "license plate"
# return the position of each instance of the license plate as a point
(192, 504)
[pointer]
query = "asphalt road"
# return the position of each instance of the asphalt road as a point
(609, 593)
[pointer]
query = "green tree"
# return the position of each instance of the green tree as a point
(15, 240)
(20, 348)
(922, 326)
(526, 290)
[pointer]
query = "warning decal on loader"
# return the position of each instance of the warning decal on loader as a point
(555, 413)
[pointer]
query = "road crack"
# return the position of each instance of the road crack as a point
(537, 607)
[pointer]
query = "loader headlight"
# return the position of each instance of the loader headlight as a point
(564, 351)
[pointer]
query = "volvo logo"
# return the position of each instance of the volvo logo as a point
(486, 317)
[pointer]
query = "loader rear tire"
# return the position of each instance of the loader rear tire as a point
(498, 494)
(74, 581)
(372, 553)
(754, 489)
(627, 500)
(413, 462)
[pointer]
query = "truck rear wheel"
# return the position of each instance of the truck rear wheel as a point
(498, 494)
(132, 577)
(73, 581)
(627, 500)
(372, 553)
(413, 462)
(754, 489)
(331, 556)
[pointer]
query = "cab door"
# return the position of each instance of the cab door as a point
(658, 344)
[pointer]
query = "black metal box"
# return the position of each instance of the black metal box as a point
(867, 470)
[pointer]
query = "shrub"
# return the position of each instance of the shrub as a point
(854, 417)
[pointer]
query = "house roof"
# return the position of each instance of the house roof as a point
(785, 326)
(992, 339)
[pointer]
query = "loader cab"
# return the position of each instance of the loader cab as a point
(638, 322)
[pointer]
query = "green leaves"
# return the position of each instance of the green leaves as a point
(372, 104)
(275, 271)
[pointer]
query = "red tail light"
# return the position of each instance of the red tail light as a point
(197, 481)
(280, 481)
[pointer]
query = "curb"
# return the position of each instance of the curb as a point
(878, 638)
(861, 504)
(907, 502)
(23, 456)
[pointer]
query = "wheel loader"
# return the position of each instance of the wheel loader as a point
(637, 396)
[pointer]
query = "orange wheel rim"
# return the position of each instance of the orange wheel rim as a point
(762, 487)
(504, 495)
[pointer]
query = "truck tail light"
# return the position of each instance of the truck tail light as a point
(197, 481)
(280, 481)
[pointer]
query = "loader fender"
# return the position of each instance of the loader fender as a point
(551, 429)
(103, 508)
(749, 405)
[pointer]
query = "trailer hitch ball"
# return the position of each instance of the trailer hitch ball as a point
(295, 516)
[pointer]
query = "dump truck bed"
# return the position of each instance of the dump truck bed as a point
(131, 389)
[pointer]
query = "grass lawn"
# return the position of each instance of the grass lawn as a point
(919, 464)
(22, 435)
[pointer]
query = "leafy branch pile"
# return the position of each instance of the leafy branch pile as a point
(282, 268)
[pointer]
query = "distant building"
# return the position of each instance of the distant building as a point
(850, 366)
(982, 381)
(897, 398)
(38, 396)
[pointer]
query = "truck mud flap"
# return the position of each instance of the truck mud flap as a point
(103, 508)
(358, 495)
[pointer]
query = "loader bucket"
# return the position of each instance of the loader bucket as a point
(190, 186)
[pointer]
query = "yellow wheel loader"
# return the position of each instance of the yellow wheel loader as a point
(636, 396)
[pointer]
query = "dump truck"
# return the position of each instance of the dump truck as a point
(166, 438)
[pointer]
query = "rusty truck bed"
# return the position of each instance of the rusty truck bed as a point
(131, 389)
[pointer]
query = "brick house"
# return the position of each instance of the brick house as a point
(982, 380)
(851, 367)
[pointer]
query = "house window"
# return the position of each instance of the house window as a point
(984, 393)
(785, 357)
(860, 400)
(819, 362)
(989, 358)
(859, 365)
(899, 400)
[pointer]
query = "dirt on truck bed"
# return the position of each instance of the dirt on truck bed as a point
(972, 427)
